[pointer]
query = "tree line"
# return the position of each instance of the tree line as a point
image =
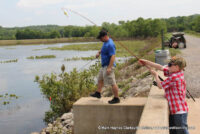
(135, 28)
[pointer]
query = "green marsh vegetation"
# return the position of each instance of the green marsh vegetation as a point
(6, 98)
(10, 48)
(9, 61)
(133, 45)
(79, 58)
(41, 57)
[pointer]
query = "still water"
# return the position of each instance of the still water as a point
(25, 115)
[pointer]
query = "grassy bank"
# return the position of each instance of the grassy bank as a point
(139, 47)
(45, 41)
(193, 33)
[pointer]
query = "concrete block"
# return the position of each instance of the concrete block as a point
(96, 116)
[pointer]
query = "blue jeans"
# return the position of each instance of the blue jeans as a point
(179, 122)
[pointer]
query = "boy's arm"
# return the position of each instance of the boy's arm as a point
(157, 78)
(151, 64)
(158, 81)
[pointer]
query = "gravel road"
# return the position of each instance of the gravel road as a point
(192, 71)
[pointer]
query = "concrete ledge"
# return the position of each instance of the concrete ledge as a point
(96, 116)
(155, 114)
(194, 116)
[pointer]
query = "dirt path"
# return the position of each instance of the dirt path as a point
(192, 71)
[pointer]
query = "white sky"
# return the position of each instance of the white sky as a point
(43, 12)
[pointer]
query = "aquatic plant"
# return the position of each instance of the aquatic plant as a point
(6, 98)
(9, 61)
(41, 57)
(79, 58)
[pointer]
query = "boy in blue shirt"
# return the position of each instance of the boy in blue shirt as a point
(106, 74)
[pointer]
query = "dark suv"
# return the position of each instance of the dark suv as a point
(177, 41)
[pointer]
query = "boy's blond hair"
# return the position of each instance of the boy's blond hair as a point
(179, 61)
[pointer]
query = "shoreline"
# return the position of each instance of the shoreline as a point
(57, 40)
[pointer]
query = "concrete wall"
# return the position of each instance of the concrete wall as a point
(96, 116)
(155, 115)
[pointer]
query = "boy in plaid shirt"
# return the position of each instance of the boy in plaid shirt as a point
(175, 92)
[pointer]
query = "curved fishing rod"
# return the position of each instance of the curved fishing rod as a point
(84, 17)
(67, 9)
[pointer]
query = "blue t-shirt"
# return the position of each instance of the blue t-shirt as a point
(107, 50)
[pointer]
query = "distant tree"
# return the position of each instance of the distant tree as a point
(121, 22)
(197, 24)
(54, 34)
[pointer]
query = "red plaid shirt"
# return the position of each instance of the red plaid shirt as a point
(175, 91)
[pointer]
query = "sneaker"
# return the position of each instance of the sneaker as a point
(114, 100)
(96, 94)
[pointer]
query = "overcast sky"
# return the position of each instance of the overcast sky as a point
(43, 12)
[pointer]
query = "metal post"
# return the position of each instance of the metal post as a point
(162, 38)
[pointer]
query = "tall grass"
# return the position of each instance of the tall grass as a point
(132, 45)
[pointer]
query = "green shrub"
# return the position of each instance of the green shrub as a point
(66, 88)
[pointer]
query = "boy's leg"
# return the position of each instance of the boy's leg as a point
(184, 123)
(171, 124)
(180, 120)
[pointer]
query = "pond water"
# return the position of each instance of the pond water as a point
(25, 114)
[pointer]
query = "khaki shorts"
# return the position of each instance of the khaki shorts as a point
(107, 79)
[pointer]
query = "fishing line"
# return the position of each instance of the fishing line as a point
(86, 64)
